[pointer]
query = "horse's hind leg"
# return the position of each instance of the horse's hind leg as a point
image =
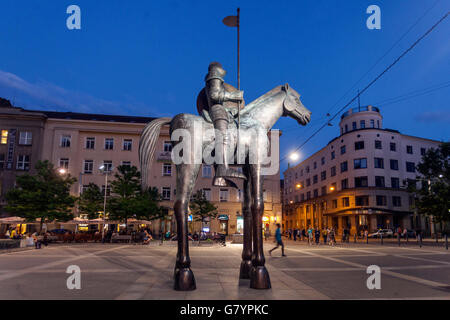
(183, 275)
(259, 276)
(246, 264)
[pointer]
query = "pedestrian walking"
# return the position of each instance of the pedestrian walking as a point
(332, 237)
(310, 236)
(295, 234)
(279, 241)
(325, 235)
(317, 236)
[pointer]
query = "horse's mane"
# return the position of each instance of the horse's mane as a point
(259, 100)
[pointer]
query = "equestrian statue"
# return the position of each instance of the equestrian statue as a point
(216, 134)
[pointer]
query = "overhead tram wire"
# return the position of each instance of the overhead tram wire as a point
(383, 56)
(372, 82)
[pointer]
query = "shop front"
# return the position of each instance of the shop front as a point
(223, 223)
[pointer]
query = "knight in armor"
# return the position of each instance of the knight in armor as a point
(216, 96)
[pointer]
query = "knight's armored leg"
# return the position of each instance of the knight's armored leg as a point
(220, 118)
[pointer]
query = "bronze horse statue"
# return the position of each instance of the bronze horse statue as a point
(259, 115)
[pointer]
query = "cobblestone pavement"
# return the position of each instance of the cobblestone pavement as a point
(124, 271)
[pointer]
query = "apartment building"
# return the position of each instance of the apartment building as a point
(357, 179)
(82, 143)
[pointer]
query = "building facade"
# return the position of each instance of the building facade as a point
(357, 180)
(20, 145)
(81, 143)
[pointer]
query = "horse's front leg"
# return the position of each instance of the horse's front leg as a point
(183, 275)
(246, 264)
(259, 277)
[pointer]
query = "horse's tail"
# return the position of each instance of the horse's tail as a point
(147, 145)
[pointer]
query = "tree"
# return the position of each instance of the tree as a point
(433, 198)
(128, 200)
(45, 195)
(91, 201)
(201, 208)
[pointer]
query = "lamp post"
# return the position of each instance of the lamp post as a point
(105, 170)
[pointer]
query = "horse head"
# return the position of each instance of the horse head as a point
(293, 107)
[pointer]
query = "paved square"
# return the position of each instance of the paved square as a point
(145, 272)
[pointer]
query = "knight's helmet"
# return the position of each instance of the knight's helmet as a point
(215, 71)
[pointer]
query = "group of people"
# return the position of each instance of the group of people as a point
(35, 239)
(313, 235)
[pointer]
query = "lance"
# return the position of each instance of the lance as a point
(234, 21)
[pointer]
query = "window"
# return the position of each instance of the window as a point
(395, 183)
(393, 146)
(25, 138)
(362, 124)
(410, 167)
(378, 144)
(354, 125)
(23, 162)
(394, 164)
(223, 195)
(206, 171)
(342, 149)
(167, 169)
(108, 190)
(166, 193)
(2, 161)
(323, 175)
(308, 195)
(126, 164)
(207, 194)
(422, 151)
(344, 184)
(379, 163)
(346, 202)
(333, 155)
(167, 146)
(344, 166)
(240, 196)
(322, 161)
(323, 191)
(359, 145)
(127, 144)
(315, 165)
(307, 169)
(4, 138)
(360, 163)
(315, 179)
(109, 144)
(333, 171)
(372, 123)
(65, 141)
(90, 143)
(316, 193)
(88, 166)
(64, 163)
(409, 149)
(396, 201)
(308, 182)
(362, 201)
(107, 164)
(334, 204)
(379, 182)
(381, 201)
(361, 182)
(378, 123)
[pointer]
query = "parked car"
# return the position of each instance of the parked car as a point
(386, 233)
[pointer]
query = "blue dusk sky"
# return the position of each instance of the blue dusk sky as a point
(149, 58)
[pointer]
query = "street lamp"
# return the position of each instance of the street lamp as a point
(105, 170)
(62, 171)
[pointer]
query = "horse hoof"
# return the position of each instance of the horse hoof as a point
(184, 280)
(259, 278)
(246, 268)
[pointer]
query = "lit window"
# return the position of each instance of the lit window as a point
(167, 146)
(107, 165)
(207, 194)
(167, 169)
(64, 163)
(4, 139)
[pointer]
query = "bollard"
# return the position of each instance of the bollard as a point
(420, 240)
(381, 238)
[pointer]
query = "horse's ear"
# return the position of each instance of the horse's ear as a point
(286, 87)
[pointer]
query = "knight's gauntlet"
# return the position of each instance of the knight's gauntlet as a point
(234, 96)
